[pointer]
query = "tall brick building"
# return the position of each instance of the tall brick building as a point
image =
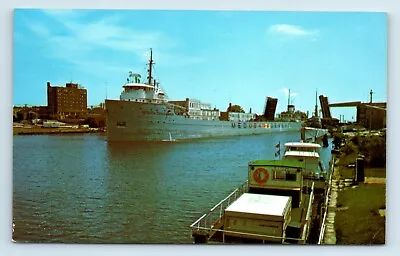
(66, 102)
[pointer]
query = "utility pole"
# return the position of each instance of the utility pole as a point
(370, 96)
(106, 89)
(370, 111)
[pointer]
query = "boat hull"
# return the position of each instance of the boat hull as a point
(309, 134)
(136, 121)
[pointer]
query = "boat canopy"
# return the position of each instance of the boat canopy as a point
(302, 145)
(137, 86)
(259, 204)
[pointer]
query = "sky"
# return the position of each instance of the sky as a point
(217, 57)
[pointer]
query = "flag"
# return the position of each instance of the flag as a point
(278, 153)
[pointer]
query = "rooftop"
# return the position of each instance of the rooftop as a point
(260, 204)
(302, 144)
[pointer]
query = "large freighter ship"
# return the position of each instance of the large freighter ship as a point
(144, 112)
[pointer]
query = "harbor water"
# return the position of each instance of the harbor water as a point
(83, 189)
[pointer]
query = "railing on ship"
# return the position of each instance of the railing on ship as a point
(325, 205)
(206, 223)
(307, 224)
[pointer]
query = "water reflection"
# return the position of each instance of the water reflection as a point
(85, 189)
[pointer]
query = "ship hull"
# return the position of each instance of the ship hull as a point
(138, 121)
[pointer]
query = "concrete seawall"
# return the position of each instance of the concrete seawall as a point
(55, 131)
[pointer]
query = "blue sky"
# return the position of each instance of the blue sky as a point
(215, 56)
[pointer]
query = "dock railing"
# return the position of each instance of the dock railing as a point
(325, 205)
(307, 224)
(210, 221)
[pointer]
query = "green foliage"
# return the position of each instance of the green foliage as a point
(375, 151)
(19, 117)
(95, 122)
(349, 148)
(337, 140)
(235, 108)
(373, 148)
(356, 140)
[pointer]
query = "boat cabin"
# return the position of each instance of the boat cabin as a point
(149, 92)
(308, 153)
(277, 177)
(141, 92)
(275, 206)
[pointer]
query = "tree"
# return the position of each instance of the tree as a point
(235, 108)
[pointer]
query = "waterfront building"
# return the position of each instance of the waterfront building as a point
(371, 115)
(197, 109)
(67, 102)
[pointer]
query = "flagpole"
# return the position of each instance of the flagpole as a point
(279, 150)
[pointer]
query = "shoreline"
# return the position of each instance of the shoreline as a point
(356, 210)
(54, 131)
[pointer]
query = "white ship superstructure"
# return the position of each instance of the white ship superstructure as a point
(144, 112)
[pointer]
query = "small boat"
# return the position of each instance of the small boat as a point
(309, 154)
(272, 206)
(313, 134)
(170, 139)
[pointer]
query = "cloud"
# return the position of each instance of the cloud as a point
(293, 95)
(292, 30)
(76, 37)
(65, 14)
(107, 32)
(39, 29)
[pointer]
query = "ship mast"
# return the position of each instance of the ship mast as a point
(150, 66)
(316, 104)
